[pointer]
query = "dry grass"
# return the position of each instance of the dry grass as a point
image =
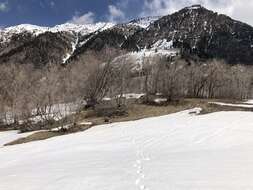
(136, 112)
(43, 135)
(34, 137)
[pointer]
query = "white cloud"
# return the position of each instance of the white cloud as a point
(238, 9)
(163, 7)
(242, 10)
(42, 5)
(87, 18)
(4, 7)
(115, 14)
(52, 4)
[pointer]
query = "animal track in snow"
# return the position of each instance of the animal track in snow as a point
(139, 182)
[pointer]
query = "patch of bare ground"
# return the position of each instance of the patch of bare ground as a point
(43, 135)
(134, 112)
(34, 137)
(4, 128)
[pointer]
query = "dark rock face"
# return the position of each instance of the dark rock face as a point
(111, 38)
(37, 50)
(198, 31)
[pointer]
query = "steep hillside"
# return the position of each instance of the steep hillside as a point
(198, 31)
(42, 45)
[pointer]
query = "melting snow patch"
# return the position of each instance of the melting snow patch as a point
(160, 100)
(85, 123)
(65, 127)
(106, 99)
(133, 96)
(163, 44)
(205, 25)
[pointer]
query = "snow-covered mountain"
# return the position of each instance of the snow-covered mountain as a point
(64, 40)
(200, 32)
(7, 33)
(194, 30)
(75, 28)
(29, 39)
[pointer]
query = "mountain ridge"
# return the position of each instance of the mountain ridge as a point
(199, 31)
(195, 30)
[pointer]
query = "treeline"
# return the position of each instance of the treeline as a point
(32, 97)
(29, 95)
(210, 79)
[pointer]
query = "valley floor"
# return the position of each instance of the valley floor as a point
(180, 151)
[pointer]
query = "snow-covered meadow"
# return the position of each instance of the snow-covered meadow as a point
(178, 151)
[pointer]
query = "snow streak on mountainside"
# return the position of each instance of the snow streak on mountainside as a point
(144, 22)
(74, 46)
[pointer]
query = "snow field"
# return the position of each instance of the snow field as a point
(181, 151)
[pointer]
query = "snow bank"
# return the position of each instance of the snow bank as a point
(249, 102)
(180, 151)
(126, 96)
(132, 96)
(232, 105)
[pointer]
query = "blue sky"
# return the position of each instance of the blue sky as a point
(52, 12)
